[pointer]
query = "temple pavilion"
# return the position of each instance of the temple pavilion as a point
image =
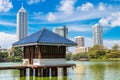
(45, 48)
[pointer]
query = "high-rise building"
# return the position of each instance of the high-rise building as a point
(80, 48)
(22, 23)
(80, 41)
(97, 34)
(62, 31)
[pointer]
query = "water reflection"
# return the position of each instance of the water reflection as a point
(82, 71)
(98, 71)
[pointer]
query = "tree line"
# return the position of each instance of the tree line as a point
(13, 55)
(97, 52)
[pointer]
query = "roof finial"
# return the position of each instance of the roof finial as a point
(22, 4)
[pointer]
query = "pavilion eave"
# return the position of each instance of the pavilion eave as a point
(50, 44)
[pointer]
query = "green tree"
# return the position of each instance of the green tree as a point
(96, 51)
(18, 54)
(3, 56)
(115, 47)
(98, 47)
(68, 56)
(78, 56)
(17, 51)
(113, 54)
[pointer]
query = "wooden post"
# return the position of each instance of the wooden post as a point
(31, 72)
(39, 72)
(54, 71)
(64, 71)
(36, 72)
(22, 72)
(45, 72)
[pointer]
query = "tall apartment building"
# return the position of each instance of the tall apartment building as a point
(97, 34)
(80, 48)
(80, 41)
(22, 23)
(62, 31)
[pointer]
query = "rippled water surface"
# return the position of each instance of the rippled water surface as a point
(82, 71)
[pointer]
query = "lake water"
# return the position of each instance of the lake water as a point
(82, 71)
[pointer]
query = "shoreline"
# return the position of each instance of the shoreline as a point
(110, 59)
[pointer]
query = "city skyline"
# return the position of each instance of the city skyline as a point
(77, 15)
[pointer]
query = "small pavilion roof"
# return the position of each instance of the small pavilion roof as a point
(45, 37)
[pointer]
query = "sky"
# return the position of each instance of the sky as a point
(78, 15)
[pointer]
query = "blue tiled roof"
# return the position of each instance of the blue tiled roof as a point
(45, 37)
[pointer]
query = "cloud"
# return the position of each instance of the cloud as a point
(64, 16)
(5, 5)
(66, 6)
(88, 42)
(104, 22)
(111, 43)
(86, 7)
(6, 40)
(51, 17)
(107, 43)
(79, 28)
(112, 21)
(34, 1)
(37, 13)
(89, 6)
(7, 23)
(101, 6)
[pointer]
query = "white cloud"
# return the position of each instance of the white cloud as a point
(37, 13)
(77, 15)
(112, 21)
(107, 43)
(101, 6)
(5, 5)
(51, 17)
(6, 40)
(67, 6)
(79, 28)
(88, 42)
(7, 23)
(34, 1)
(110, 43)
(115, 19)
(104, 22)
(86, 7)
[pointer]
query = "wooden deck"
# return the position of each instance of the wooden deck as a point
(34, 66)
(40, 70)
